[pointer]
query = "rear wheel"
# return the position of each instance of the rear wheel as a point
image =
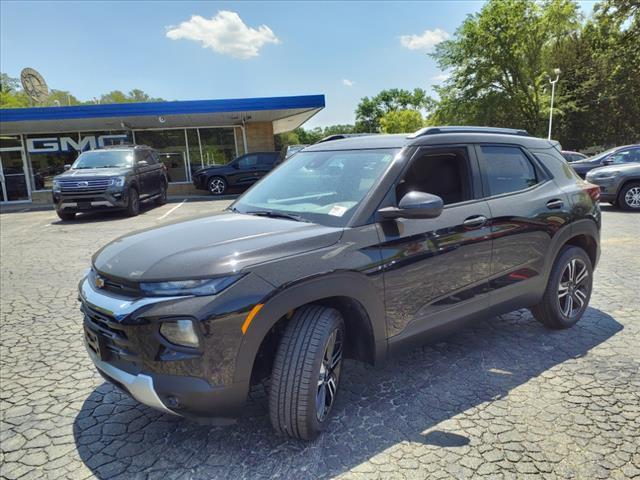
(568, 291)
(306, 372)
(133, 204)
(217, 185)
(66, 216)
(629, 198)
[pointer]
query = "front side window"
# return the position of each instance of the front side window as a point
(441, 172)
(104, 159)
(626, 156)
(320, 187)
(506, 169)
(248, 162)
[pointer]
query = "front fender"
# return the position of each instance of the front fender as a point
(356, 286)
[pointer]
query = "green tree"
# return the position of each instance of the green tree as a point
(135, 95)
(401, 121)
(370, 110)
(11, 94)
(499, 61)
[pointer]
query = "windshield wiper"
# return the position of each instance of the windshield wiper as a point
(272, 214)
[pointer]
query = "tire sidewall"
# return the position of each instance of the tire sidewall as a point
(133, 208)
(224, 190)
(313, 424)
(568, 255)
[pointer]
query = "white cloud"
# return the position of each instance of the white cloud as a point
(225, 33)
(426, 41)
(441, 77)
(348, 83)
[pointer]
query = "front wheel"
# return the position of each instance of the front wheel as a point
(162, 196)
(629, 198)
(217, 185)
(569, 289)
(133, 204)
(306, 372)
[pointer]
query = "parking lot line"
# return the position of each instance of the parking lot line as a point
(172, 210)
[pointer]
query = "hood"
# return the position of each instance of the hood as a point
(622, 168)
(92, 172)
(220, 244)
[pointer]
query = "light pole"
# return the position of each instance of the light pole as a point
(553, 91)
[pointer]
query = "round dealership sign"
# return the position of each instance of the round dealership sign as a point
(34, 85)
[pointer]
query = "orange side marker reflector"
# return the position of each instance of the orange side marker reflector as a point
(247, 321)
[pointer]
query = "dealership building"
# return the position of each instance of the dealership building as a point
(36, 143)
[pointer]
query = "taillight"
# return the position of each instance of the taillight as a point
(592, 190)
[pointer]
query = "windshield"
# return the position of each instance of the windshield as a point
(104, 159)
(599, 156)
(320, 187)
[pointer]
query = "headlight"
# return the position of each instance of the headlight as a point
(56, 186)
(180, 332)
(207, 286)
(118, 181)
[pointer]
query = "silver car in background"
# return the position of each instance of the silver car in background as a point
(619, 184)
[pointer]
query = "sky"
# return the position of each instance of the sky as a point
(208, 50)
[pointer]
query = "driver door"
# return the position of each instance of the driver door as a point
(435, 269)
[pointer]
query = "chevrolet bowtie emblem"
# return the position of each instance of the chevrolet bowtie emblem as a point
(99, 282)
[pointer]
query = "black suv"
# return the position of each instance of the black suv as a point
(241, 172)
(358, 248)
(117, 177)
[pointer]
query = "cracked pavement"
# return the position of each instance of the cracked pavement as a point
(503, 398)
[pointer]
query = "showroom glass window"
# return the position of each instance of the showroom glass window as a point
(218, 145)
(172, 150)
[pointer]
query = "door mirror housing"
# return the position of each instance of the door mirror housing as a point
(67, 167)
(415, 205)
(142, 163)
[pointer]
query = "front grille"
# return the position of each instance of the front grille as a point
(120, 287)
(105, 332)
(96, 185)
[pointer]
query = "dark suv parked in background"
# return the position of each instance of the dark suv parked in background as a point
(358, 248)
(618, 155)
(242, 172)
(117, 177)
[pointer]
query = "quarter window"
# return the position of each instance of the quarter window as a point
(506, 169)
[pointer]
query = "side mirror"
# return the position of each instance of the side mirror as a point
(67, 167)
(415, 205)
(143, 163)
(608, 161)
(235, 165)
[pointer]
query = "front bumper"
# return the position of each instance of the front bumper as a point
(90, 201)
(122, 337)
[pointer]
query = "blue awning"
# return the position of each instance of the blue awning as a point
(286, 113)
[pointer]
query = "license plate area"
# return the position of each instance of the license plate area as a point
(84, 205)
(96, 343)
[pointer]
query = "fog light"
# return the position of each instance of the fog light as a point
(180, 332)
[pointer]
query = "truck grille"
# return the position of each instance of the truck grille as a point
(104, 332)
(85, 186)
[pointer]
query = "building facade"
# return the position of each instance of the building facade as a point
(36, 143)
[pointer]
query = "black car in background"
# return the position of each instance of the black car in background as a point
(240, 173)
(355, 248)
(118, 177)
(614, 156)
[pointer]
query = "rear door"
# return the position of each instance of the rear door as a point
(527, 210)
(265, 164)
(246, 170)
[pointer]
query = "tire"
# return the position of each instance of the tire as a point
(217, 185)
(162, 198)
(66, 216)
(629, 197)
(302, 379)
(133, 203)
(560, 306)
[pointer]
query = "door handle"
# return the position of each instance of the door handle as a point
(555, 204)
(475, 221)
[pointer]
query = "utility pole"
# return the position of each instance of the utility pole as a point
(553, 91)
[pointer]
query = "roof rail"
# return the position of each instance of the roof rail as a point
(440, 130)
(340, 136)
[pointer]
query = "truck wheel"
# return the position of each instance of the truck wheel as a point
(66, 216)
(568, 291)
(133, 204)
(629, 198)
(306, 372)
(162, 197)
(217, 185)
